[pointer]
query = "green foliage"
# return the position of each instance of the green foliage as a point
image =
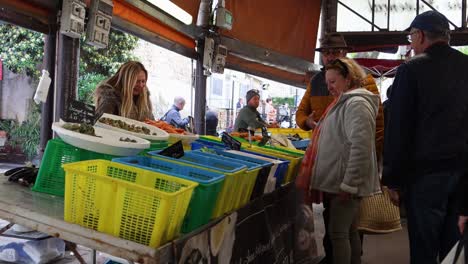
(87, 84)
(27, 134)
(21, 50)
(107, 61)
(283, 100)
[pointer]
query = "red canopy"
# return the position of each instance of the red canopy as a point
(380, 67)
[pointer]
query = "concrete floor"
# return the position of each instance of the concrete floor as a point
(378, 249)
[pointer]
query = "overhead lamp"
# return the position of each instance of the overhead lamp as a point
(173, 10)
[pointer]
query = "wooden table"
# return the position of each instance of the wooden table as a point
(44, 213)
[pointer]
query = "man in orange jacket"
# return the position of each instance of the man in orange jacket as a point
(317, 98)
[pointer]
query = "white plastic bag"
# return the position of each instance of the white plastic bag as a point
(449, 259)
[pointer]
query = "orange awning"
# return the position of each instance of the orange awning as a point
(137, 17)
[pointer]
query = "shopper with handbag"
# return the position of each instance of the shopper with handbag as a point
(342, 156)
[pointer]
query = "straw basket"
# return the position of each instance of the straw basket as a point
(378, 215)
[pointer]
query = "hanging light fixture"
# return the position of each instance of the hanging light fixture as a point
(173, 10)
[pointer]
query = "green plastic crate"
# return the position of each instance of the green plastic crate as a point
(51, 176)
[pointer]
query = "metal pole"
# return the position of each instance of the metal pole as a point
(47, 110)
(200, 90)
(417, 7)
(68, 54)
(373, 14)
(388, 15)
(463, 14)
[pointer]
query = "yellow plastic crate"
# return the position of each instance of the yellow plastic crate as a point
(291, 131)
(294, 158)
(128, 202)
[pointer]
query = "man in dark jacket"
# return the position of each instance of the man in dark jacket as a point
(426, 137)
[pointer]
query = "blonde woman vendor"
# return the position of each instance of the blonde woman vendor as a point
(125, 94)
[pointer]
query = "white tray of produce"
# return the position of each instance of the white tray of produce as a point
(107, 142)
(160, 134)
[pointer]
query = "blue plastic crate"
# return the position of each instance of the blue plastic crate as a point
(262, 174)
(301, 144)
(199, 144)
(248, 180)
(282, 169)
(204, 196)
(234, 175)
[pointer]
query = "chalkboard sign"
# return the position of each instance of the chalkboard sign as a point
(79, 112)
(265, 137)
(230, 142)
(175, 150)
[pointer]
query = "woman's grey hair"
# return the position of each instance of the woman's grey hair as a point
(178, 100)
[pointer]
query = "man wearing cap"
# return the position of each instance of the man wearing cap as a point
(317, 98)
(427, 137)
(249, 118)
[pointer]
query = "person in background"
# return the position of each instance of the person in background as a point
(386, 106)
(125, 94)
(173, 117)
(211, 118)
(344, 157)
(270, 111)
(426, 138)
(240, 104)
(317, 98)
(249, 118)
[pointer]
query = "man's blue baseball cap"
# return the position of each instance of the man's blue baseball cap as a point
(431, 21)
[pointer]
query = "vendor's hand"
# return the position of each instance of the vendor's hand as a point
(394, 197)
(310, 121)
(344, 196)
(462, 220)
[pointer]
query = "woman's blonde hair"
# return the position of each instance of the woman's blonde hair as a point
(123, 82)
(348, 68)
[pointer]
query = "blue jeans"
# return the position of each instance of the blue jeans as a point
(432, 219)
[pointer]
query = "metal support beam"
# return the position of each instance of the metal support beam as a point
(431, 7)
(267, 57)
(20, 19)
(68, 54)
(329, 16)
(362, 17)
(200, 91)
(132, 29)
(463, 22)
(47, 112)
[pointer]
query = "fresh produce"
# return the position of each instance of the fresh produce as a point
(123, 125)
(128, 140)
(245, 135)
(166, 127)
(81, 128)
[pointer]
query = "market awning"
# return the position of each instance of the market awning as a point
(273, 29)
(380, 67)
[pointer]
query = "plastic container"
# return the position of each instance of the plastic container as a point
(270, 183)
(263, 174)
(199, 144)
(186, 139)
(293, 156)
(247, 180)
(204, 196)
(125, 201)
(282, 169)
(291, 131)
(233, 172)
(106, 142)
(51, 176)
